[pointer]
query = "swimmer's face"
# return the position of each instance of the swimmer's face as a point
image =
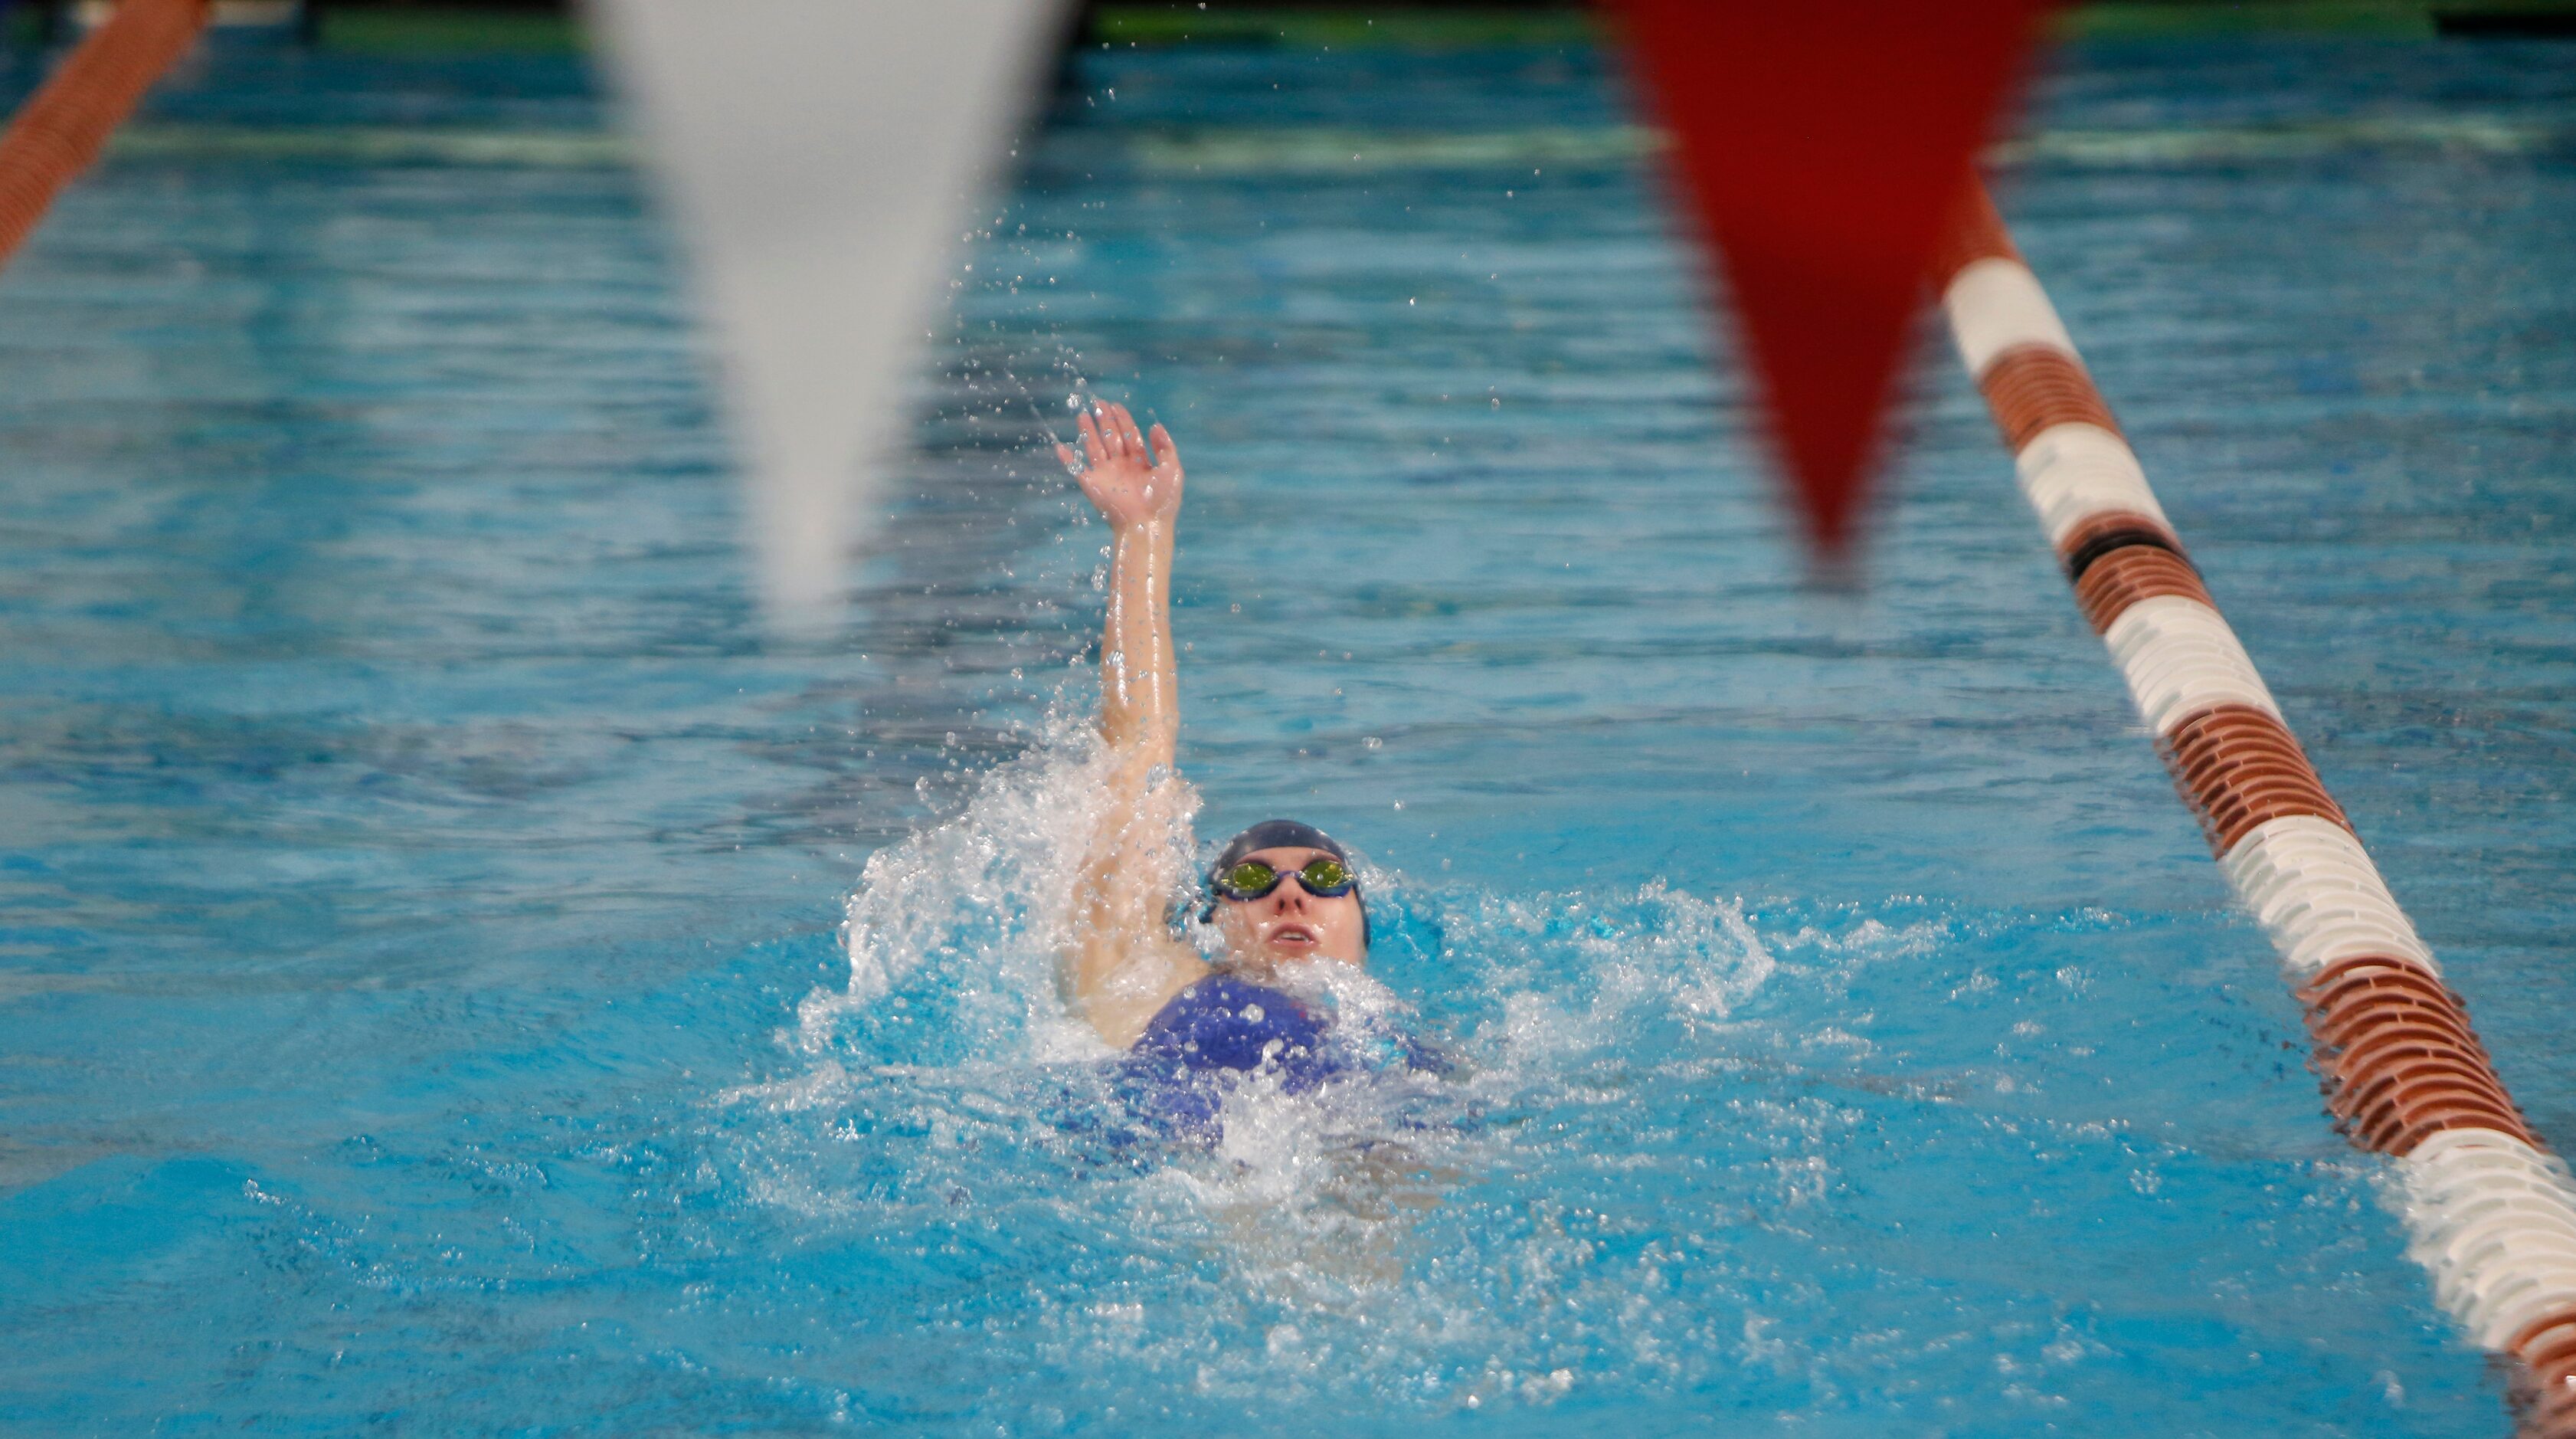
(1289, 926)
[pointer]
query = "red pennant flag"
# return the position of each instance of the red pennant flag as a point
(1824, 143)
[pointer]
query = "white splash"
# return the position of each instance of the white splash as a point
(984, 898)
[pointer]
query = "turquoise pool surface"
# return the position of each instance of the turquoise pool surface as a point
(459, 976)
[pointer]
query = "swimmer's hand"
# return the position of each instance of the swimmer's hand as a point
(1132, 481)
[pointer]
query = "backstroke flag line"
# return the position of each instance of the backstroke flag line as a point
(824, 157)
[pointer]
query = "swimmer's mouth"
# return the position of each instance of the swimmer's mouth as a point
(1293, 936)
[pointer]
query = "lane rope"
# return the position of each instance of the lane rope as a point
(59, 131)
(2491, 1212)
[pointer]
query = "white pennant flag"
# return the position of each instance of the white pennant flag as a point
(824, 157)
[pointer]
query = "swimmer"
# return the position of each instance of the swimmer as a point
(1283, 896)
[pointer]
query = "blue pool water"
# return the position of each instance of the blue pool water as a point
(425, 1003)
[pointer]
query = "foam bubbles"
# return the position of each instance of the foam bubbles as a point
(952, 934)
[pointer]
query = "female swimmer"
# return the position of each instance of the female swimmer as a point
(1283, 895)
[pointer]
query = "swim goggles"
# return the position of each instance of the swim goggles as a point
(1324, 877)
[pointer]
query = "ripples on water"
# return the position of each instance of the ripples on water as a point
(1682, 1170)
(429, 1003)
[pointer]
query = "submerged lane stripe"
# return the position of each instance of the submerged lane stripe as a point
(2492, 1214)
(1228, 151)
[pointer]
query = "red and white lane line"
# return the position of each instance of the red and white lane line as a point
(2492, 1212)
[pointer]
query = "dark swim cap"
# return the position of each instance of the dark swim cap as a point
(1283, 834)
(1276, 834)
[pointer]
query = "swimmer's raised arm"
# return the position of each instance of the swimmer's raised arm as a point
(1121, 962)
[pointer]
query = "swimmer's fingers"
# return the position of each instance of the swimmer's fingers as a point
(1166, 454)
(1113, 439)
(1094, 450)
(1116, 421)
(1072, 462)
